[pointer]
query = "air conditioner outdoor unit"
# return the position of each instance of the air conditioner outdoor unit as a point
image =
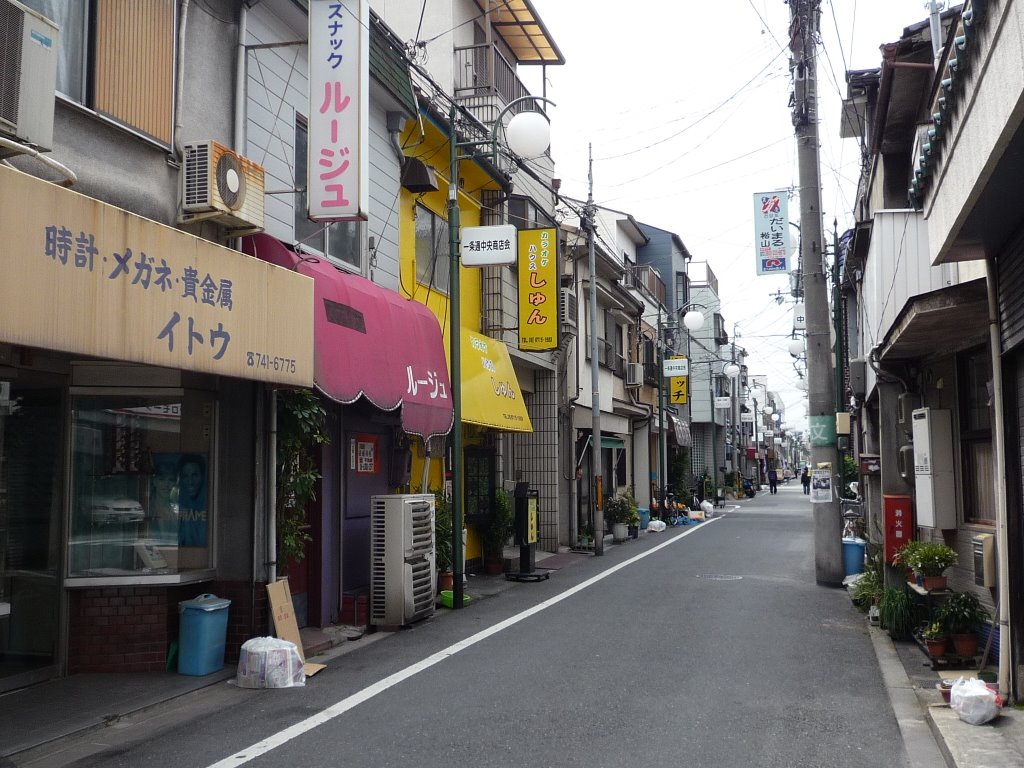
(402, 558)
(634, 375)
(567, 311)
(220, 184)
(28, 75)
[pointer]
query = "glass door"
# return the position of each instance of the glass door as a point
(31, 474)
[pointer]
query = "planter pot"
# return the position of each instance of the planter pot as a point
(445, 580)
(494, 564)
(933, 582)
(965, 645)
(634, 531)
(936, 648)
(620, 531)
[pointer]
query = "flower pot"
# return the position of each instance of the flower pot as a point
(620, 531)
(933, 582)
(966, 644)
(445, 580)
(936, 648)
(494, 564)
(634, 531)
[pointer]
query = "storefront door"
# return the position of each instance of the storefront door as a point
(31, 482)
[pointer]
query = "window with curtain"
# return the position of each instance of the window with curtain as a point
(976, 437)
(432, 250)
(117, 57)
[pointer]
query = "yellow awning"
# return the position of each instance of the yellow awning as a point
(490, 390)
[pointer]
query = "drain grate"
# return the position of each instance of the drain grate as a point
(718, 577)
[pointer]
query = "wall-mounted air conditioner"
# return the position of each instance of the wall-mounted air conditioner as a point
(567, 312)
(221, 185)
(28, 75)
(402, 559)
(933, 468)
(634, 374)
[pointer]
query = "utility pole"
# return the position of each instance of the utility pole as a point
(596, 483)
(804, 29)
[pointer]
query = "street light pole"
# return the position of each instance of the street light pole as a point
(596, 470)
(528, 140)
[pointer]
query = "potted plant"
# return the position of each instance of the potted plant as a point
(496, 533)
(904, 556)
(961, 615)
(618, 512)
(585, 536)
(934, 636)
(896, 612)
(929, 559)
(443, 540)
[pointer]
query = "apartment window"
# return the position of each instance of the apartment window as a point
(976, 437)
(682, 292)
(141, 484)
(117, 57)
(433, 259)
(340, 242)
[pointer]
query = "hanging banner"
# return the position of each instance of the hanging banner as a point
(337, 161)
(678, 390)
(491, 246)
(771, 232)
(723, 402)
(538, 290)
(675, 366)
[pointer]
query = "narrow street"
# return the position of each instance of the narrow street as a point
(709, 645)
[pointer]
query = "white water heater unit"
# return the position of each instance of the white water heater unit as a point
(935, 489)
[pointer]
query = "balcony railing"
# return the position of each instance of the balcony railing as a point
(646, 277)
(485, 82)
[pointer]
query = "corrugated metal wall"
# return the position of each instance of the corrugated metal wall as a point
(1011, 288)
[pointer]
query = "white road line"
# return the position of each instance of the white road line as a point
(326, 715)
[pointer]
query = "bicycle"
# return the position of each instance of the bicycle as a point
(853, 516)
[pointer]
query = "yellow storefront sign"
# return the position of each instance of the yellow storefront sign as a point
(88, 278)
(678, 388)
(538, 290)
(490, 390)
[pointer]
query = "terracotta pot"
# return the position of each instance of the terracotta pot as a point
(494, 564)
(966, 645)
(933, 582)
(445, 580)
(936, 648)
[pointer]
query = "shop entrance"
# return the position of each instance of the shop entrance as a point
(31, 482)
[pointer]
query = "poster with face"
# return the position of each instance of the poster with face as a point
(178, 499)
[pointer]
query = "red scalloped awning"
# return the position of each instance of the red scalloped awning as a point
(371, 342)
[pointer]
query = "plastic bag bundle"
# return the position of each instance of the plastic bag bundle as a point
(269, 662)
(974, 701)
(656, 526)
(708, 509)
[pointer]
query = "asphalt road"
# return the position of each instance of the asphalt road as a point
(709, 645)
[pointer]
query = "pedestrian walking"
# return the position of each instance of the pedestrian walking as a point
(773, 481)
(805, 478)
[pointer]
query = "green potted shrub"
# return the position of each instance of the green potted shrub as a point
(934, 636)
(619, 510)
(496, 533)
(896, 612)
(961, 615)
(443, 539)
(904, 557)
(929, 559)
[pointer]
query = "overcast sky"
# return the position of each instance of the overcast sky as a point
(686, 107)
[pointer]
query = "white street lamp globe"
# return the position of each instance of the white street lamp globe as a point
(796, 347)
(731, 370)
(528, 134)
(767, 410)
(775, 417)
(693, 320)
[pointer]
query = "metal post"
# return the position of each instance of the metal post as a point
(714, 435)
(805, 16)
(455, 356)
(662, 447)
(595, 371)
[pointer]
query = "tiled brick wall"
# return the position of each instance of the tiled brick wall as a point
(129, 629)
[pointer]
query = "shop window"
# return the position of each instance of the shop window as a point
(141, 485)
(340, 242)
(117, 57)
(432, 250)
(976, 437)
(480, 483)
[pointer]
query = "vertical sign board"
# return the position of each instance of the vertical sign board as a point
(677, 369)
(339, 87)
(771, 232)
(898, 513)
(538, 290)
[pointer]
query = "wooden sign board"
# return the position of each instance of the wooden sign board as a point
(285, 625)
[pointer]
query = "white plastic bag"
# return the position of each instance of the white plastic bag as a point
(269, 662)
(973, 701)
(656, 526)
(709, 509)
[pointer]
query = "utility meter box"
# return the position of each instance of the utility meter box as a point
(984, 560)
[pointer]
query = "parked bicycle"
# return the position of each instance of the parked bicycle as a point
(852, 510)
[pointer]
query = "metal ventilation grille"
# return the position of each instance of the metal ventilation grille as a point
(12, 30)
(197, 175)
(423, 576)
(230, 181)
(378, 548)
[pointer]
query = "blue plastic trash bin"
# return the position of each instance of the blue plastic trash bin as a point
(202, 634)
(853, 556)
(645, 517)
